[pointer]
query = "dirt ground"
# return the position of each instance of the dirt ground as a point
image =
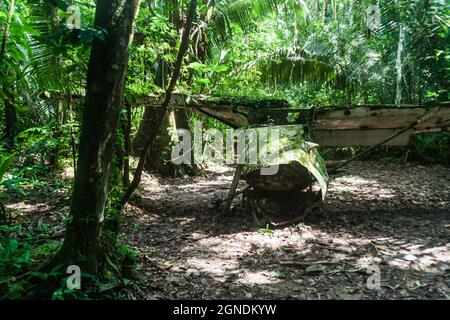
(386, 217)
(390, 218)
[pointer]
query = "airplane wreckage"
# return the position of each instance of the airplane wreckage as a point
(288, 195)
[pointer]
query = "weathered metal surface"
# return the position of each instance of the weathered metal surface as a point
(386, 118)
(355, 138)
(332, 126)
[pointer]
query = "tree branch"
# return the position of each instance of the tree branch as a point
(191, 17)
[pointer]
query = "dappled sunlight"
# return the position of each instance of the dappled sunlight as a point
(190, 149)
(355, 185)
(369, 220)
(372, 186)
(216, 267)
(257, 278)
(432, 260)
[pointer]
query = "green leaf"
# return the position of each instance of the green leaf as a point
(5, 164)
(277, 274)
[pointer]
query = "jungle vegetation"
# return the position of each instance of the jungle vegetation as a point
(71, 72)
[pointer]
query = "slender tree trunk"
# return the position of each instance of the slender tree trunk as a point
(350, 12)
(157, 159)
(398, 66)
(157, 152)
(181, 121)
(127, 147)
(10, 119)
(150, 118)
(158, 155)
(334, 10)
(105, 82)
(11, 9)
(54, 158)
(325, 9)
(191, 17)
(10, 109)
(70, 119)
(57, 134)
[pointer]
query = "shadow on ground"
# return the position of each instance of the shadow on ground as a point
(387, 218)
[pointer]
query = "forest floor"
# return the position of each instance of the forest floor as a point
(388, 217)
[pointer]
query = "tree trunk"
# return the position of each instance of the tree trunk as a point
(57, 134)
(181, 121)
(10, 120)
(184, 45)
(149, 120)
(398, 66)
(11, 9)
(325, 9)
(70, 119)
(105, 82)
(157, 153)
(127, 147)
(158, 157)
(10, 109)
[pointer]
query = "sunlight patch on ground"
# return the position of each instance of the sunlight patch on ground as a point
(357, 185)
(432, 260)
(257, 277)
(367, 222)
(25, 208)
(217, 267)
